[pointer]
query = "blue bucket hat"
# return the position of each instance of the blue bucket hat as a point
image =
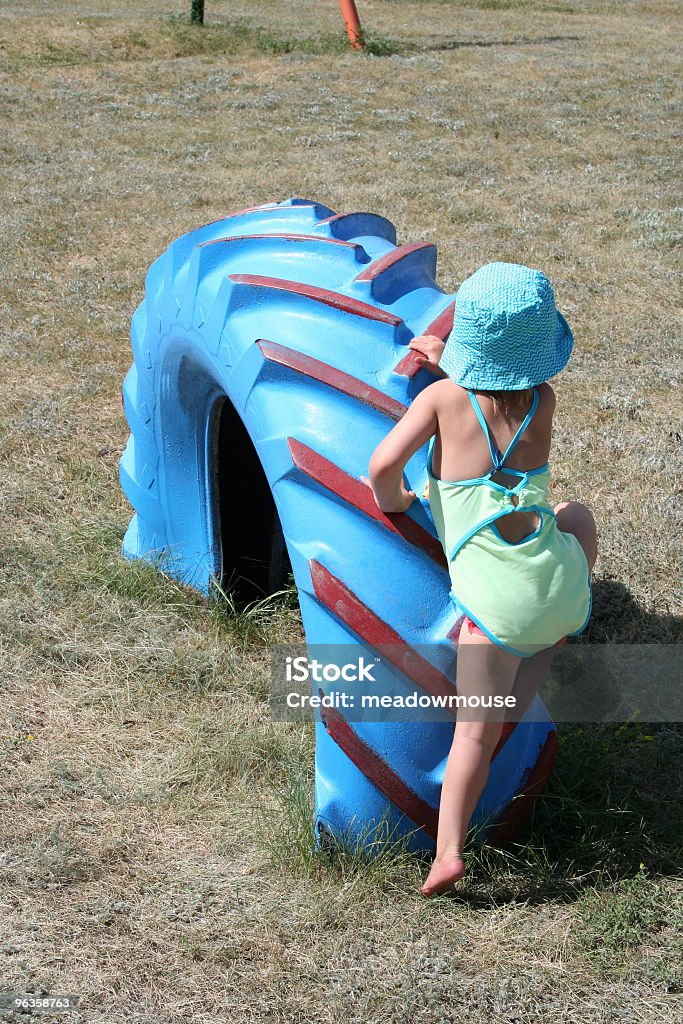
(507, 333)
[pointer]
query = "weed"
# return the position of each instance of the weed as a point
(632, 912)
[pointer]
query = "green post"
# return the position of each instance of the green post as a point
(197, 15)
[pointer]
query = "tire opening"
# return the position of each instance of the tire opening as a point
(253, 555)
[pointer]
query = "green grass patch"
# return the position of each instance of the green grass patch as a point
(369, 858)
(242, 36)
(66, 56)
(633, 913)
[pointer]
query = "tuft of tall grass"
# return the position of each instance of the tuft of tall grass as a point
(268, 619)
(373, 857)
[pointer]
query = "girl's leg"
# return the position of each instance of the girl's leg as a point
(484, 669)
(530, 674)
(474, 742)
(572, 517)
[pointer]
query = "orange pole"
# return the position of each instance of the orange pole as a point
(352, 22)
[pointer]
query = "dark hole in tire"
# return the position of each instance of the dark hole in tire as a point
(254, 560)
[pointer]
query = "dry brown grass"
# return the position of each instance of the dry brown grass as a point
(134, 867)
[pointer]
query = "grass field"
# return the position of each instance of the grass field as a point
(155, 822)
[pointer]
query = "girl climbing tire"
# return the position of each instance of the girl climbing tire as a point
(270, 358)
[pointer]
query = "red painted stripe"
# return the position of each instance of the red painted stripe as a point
(336, 596)
(440, 327)
(454, 632)
(264, 208)
(242, 213)
(532, 787)
(376, 769)
(334, 217)
(410, 364)
(360, 496)
(289, 237)
(344, 382)
(506, 733)
(356, 222)
(390, 259)
(334, 299)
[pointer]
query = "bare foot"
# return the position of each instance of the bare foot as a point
(442, 876)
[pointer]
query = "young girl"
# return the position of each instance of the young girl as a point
(520, 570)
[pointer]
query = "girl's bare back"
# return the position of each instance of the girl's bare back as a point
(461, 451)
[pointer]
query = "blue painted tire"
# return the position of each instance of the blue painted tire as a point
(300, 319)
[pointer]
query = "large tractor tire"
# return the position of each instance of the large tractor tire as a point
(270, 358)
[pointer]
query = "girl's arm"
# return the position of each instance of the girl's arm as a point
(390, 456)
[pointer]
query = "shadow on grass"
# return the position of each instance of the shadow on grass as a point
(612, 808)
(618, 618)
(458, 44)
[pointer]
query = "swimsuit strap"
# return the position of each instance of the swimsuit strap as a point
(495, 454)
(496, 457)
(523, 425)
